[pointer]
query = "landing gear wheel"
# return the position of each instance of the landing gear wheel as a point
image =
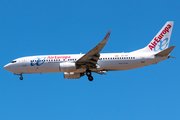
(21, 78)
(88, 72)
(90, 78)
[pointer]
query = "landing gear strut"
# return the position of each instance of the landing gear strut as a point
(88, 73)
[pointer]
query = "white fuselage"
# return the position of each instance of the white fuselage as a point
(106, 62)
(75, 66)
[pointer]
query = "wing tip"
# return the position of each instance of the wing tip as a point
(107, 36)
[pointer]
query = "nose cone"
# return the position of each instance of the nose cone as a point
(7, 67)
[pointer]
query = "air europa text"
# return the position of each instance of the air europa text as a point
(58, 57)
(161, 35)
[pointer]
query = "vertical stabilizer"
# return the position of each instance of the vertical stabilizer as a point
(161, 40)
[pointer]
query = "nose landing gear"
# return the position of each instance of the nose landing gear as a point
(21, 78)
(88, 73)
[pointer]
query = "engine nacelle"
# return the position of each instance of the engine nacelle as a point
(67, 67)
(72, 75)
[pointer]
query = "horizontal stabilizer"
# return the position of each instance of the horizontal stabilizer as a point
(165, 52)
(171, 57)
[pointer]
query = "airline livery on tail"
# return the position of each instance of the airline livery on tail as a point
(75, 66)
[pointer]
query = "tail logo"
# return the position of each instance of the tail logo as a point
(163, 44)
(158, 39)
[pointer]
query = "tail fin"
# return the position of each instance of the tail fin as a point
(161, 40)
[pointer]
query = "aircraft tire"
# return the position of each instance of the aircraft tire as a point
(88, 73)
(21, 78)
(90, 78)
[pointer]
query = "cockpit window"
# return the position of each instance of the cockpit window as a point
(13, 61)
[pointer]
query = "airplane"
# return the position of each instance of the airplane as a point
(75, 66)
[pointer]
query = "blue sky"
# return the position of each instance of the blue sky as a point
(65, 27)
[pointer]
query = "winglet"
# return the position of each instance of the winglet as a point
(107, 36)
(165, 52)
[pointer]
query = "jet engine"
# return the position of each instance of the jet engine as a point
(67, 67)
(72, 75)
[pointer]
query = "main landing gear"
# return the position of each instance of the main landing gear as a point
(88, 73)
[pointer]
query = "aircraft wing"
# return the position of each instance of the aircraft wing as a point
(90, 59)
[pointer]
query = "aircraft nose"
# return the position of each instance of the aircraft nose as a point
(7, 67)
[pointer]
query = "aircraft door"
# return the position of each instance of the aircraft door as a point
(24, 63)
(142, 60)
